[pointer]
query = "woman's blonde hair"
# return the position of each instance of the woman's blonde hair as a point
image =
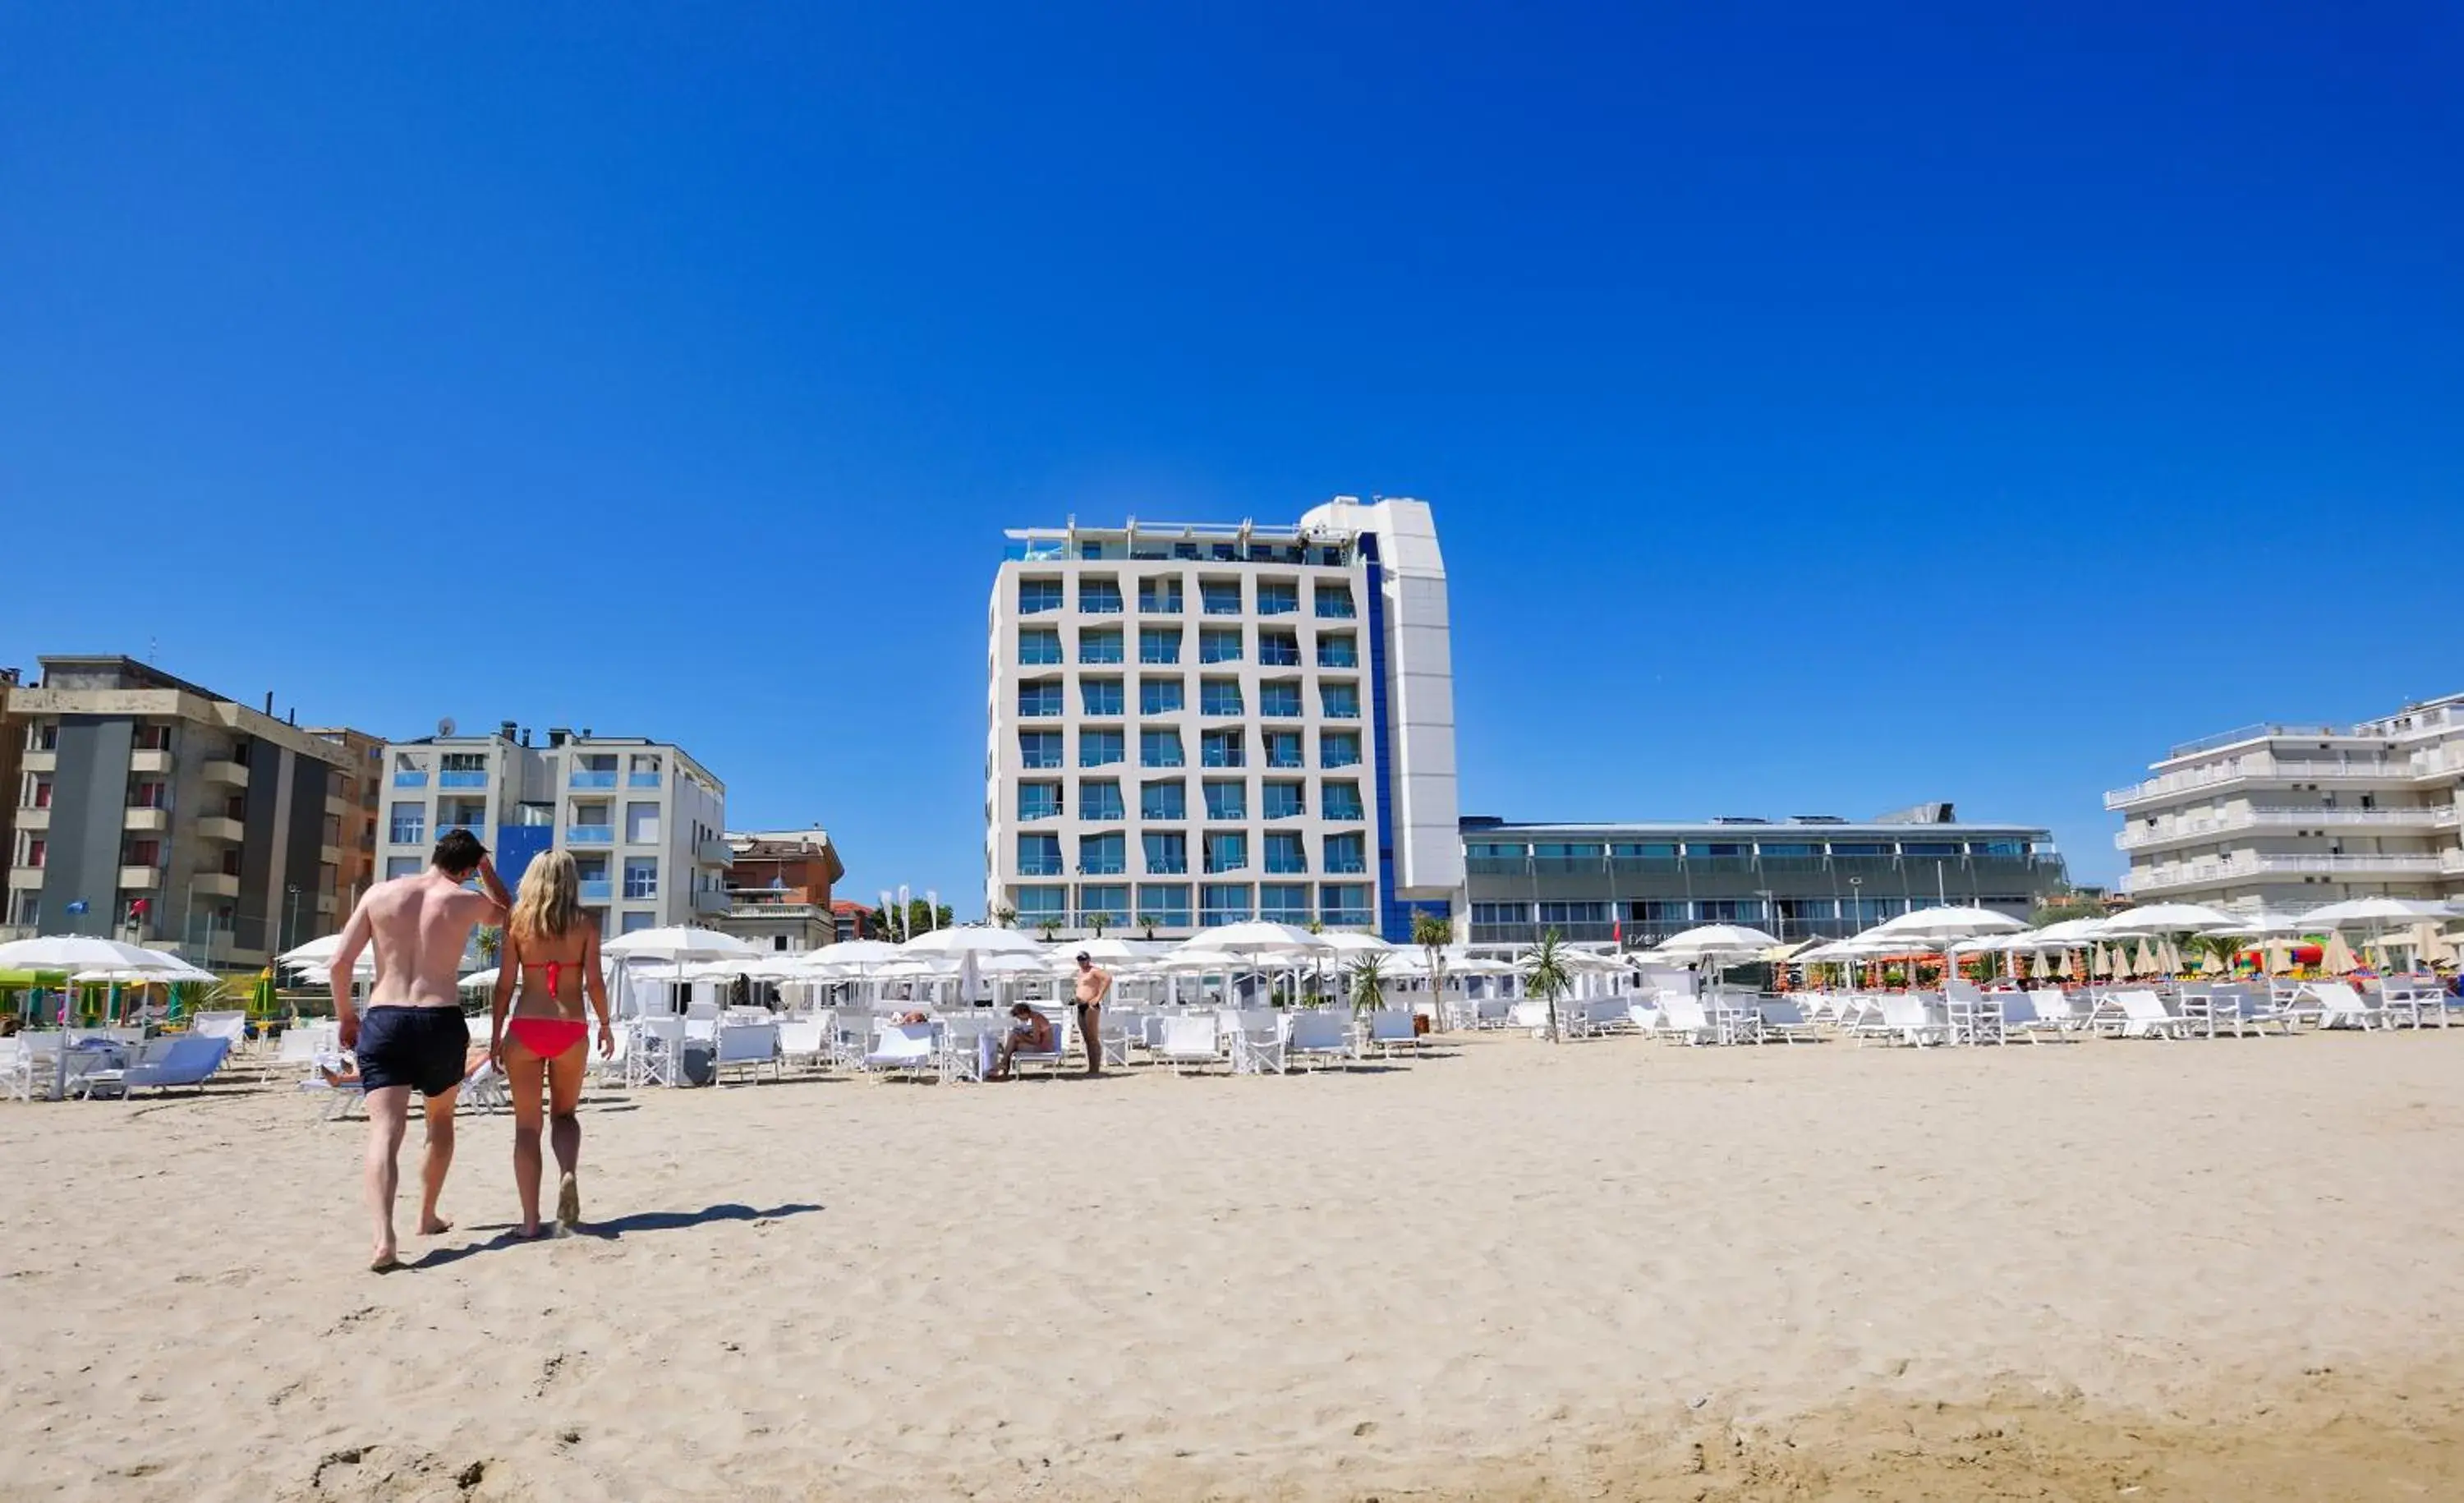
(550, 898)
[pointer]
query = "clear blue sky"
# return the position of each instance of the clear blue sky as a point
(1820, 414)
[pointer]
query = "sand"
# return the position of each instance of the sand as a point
(1614, 1269)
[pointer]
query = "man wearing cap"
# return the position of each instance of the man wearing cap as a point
(1093, 984)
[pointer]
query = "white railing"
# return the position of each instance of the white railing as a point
(2196, 827)
(2208, 872)
(2451, 861)
(2254, 766)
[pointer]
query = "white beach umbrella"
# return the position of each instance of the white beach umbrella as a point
(681, 945)
(2165, 919)
(854, 952)
(969, 943)
(2070, 931)
(75, 954)
(2258, 925)
(1347, 941)
(2374, 912)
(1102, 951)
(1710, 941)
(1949, 923)
(479, 980)
(1257, 937)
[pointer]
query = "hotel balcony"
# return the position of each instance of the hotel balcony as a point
(143, 879)
(2451, 863)
(339, 806)
(2258, 767)
(34, 819)
(330, 855)
(140, 821)
(590, 834)
(222, 769)
(149, 758)
(714, 853)
(39, 761)
(598, 890)
(2176, 832)
(707, 901)
(215, 884)
(25, 876)
(222, 828)
(2255, 868)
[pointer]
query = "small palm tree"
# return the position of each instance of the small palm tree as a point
(1369, 983)
(1147, 924)
(1433, 934)
(1546, 978)
(1097, 922)
(491, 944)
(1004, 916)
(1049, 929)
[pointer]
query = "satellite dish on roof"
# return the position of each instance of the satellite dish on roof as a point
(444, 726)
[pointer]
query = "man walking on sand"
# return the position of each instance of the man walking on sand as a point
(1093, 983)
(412, 1036)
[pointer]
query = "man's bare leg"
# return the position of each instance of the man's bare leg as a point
(388, 1118)
(440, 1158)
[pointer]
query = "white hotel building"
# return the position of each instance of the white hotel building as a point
(2292, 816)
(1193, 726)
(645, 822)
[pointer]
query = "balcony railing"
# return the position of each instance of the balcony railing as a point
(2258, 765)
(589, 834)
(2209, 873)
(641, 780)
(597, 890)
(585, 778)
(458, 779)
(410, 780)
(2199, 826)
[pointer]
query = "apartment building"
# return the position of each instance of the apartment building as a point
(2292, 816)
(779, 890)
(351, 828)
(1197, 725)
(151, 809)
(1808, 876)
(643, 820)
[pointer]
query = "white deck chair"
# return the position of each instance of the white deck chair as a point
(803, 1041)
(1190, 1043)
(1257, 1042)
(905, 1048)
(2343, 1006)
(1318, 1039)
(1684, 1020)
(1393, 1028)
(2414, 1004)
(747, 1045)
(1913, 1017)
(229, 1027)
(1784, 1020)
(654, 1055)
(1064, 1042)
(484, 1087)
(969, 1040)
(2142, 1014)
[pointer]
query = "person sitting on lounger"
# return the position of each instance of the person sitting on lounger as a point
(1029, 1030)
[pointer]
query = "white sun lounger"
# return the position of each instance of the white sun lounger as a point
(1257, 1041)
(1318, 1039)
(1190, 1043)
(2139, 1013)
(1393, 1028)
(904, 1048)
(2342, 1006)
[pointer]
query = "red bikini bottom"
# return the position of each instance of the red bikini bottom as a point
(546, 1037)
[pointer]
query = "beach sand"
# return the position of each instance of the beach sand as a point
(1617, 1269)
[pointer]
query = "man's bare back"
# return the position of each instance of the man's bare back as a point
(420, 925)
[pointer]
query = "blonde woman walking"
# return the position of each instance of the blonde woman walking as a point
(551, 958)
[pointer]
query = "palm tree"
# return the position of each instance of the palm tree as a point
(491, 944)
(1369, 983)
(1433, 934)
(1548, 979)
(1004, 916)
(1147, 923)
(1096, 922)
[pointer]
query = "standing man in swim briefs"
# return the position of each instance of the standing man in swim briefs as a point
(411, 1036)
(1093, 983)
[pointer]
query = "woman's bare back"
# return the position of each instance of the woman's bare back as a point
(574, 954)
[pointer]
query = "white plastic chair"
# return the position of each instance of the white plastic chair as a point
(1190, 1043)
(904, 1048)
(747, 1045)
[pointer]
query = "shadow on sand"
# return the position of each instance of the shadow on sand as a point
(613, 1229)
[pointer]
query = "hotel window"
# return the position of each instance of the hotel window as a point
(1660, 914)
(1279, 649)
(1850, 847)
(153, 737)
(1162, 801)
(1099, 801)
(1159, 749)
(2020, 847)
(1039, 644)
(402, 866)
(1343, 905)
(1501, 913)
(1728, 910)
(640, 824)
(1100, 645)
(1342, 701)
(1282, 749)
(1335, 601)
(1042, 904)
(1100, 696)
(1159, 697)
(1159, 644)
(1226, 799)
(641, 877)
(1227, 851)
(1220, 749)
(408, 825)
(1282, 800)
(1038, 595)
(1280, 701)
(1342, 801)
(1102, 855)
(643, 771)
(1285, 852)
(1099, 597)
(1700, 849)
(1038, 800)
(1337, 650)
(1338, 749)
(34, 850)
(1283, 902)
(1167, 854)
(1929, 848)
(1038, 855)
(1159, 595)
(1564, 913)
(1106, 903)
(1346, 854)
(150, 793)
(1039, 699)
(1220, 597)
(43, 736)
(1038, 749)
(1580, 853)
(1796, 849)
(144, 852)
(1101, 749)
(1219, 697)
(1278, 597)
(1220, 903)
(1643, 850)
(1165, 904)
(1804, 909)
(1219, 644)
